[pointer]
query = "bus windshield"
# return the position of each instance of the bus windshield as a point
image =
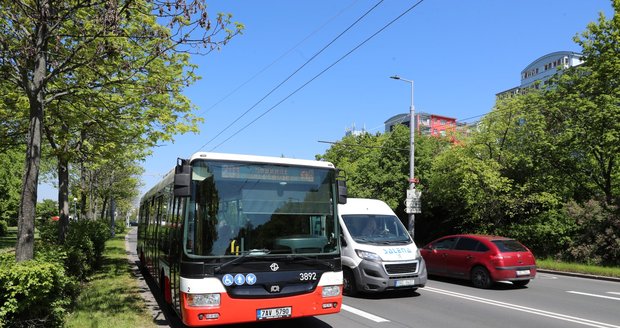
(246, 208)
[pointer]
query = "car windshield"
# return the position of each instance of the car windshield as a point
(376, 229)
(509, 245)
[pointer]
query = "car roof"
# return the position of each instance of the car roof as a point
(476, 236)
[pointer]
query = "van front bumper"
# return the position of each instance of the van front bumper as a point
(372, 276)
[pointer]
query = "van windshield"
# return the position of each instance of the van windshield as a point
(372, 229)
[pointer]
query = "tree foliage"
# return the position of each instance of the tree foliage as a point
(585, 108)
(109, 68)
(377, 166)
(11, 165)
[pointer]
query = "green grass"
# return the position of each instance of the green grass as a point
(112, 296)
(551, 264)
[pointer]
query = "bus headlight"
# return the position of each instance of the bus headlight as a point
(330, 291)
(203, 299)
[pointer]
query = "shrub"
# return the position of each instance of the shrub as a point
(546, 235)
(34, 293)
(4, 228)
(119, 228)
(83, 247)
(597, 240)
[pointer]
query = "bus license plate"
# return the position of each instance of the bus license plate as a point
(404, 282)
(523, 272)
(275, 313)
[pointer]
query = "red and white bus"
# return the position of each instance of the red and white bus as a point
(239, 238)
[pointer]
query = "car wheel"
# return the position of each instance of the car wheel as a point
(481, 278)
(349, 288)
(520, 283)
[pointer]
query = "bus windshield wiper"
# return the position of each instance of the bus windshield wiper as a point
(311, 260)
(240, 259)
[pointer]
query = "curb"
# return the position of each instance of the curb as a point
(579, 275)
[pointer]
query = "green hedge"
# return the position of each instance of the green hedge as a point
(4, 228)
(84, 245)
(34, 293)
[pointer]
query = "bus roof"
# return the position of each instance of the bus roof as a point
(260, 159)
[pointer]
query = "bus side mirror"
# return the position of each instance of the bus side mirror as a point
(182, 178)
(341, 182)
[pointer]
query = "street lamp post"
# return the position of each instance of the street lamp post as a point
(412, 202)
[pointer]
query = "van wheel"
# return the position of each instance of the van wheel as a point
(481, 278)
(349, 288)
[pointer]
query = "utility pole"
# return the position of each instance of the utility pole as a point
(413, 204)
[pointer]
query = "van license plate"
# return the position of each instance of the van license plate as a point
(404, 282)
(275, 313)
(523, 272)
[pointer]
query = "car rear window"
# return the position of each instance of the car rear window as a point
(509, 245)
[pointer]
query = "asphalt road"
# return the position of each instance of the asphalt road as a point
(548, 301)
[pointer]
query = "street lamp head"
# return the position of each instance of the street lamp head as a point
(395, 77)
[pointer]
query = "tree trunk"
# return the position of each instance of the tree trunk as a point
(24, 249)
(35, 88)
(103, 207)
(63, 198)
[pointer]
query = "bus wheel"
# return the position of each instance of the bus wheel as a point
(349, 288)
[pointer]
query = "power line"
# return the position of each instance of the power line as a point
(290, 76)
(363, 146)
(278, 59)
(319, 74)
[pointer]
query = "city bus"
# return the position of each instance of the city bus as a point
(240, 238)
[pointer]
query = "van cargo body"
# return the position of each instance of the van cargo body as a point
(378, 254)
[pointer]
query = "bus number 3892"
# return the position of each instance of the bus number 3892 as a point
(307, 276)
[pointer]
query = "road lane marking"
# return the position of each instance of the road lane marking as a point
(363, 314)
(614, 293)
(516, 307)
(594, 295)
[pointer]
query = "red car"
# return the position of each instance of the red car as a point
(482, 259)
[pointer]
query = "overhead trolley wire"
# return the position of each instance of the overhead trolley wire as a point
(316, 76)
(277, 59)
(288, 78)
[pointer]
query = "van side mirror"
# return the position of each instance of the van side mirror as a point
(343, 241)
(341, 182)
(182, 178)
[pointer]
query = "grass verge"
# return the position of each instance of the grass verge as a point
(551, 264)
(112, 297)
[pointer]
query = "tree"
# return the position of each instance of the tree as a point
(377, 166)
(47, 209)
(47, 48)
(585, 108)
(11, 164)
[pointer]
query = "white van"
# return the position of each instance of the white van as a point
(378, 254)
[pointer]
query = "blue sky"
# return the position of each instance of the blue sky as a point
(459, 53)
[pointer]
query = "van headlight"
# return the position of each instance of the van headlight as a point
(370, 256)
(203, 299)
(330, 291)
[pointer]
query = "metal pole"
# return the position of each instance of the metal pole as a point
(412, 159)
(411, 191)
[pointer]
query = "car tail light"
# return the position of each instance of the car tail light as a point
(498, 259)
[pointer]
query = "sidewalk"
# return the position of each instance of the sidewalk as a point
(159, 319)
